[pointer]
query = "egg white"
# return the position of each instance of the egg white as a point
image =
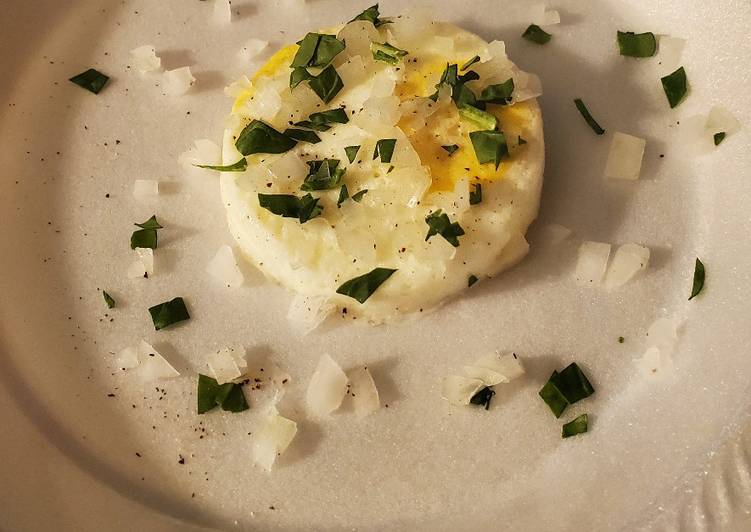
(387, 228)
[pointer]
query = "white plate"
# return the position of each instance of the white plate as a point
(661, 454)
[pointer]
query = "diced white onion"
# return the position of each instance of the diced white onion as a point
(287, 167)
(238, 87)
(554, 234)
(458, 390)
(529, 86)
(223, 267)
(592, 262)
(306, 313)
(721, 120)
(272, 440)
(628, 260)
(358, 35)
(266, 101)
(670, 52)
(153, 365)
(655, 362)
(495, 368)
(383, 83)
(136, 270)
(364, 392)
(252, 48)
(177, 82)
(352, 72)
(128, 358)
(327, 387)
(663, 334)
(227, 364)
(146, 256)
(625, 157)
(204, 152)
(145, 59)
(222, 11)
(551, 18)
(145, 188)
(539, 14)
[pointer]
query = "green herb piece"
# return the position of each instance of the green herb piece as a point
(621, 339)
(387, 53)
(212, 394)
(536, 34)
(290, 206)
(307, 124)
(577, 426)
(439, 224)
(332, 116)
(323, 175)
(500, 93)
(475, 194)
(588, 117)
(239, 166)
(359, 195)
(719, 137)
(482, 119)
(343, 195)
(258, 137)
(451, 149)
(449, 78)
(372, 15)
(108, 299)
(637, 45)
(565, 388)
(145, 237)
(91, 80)
(362, 287)
(520, 141)
(675, 86)
(472, 280)
(483, 397)
(699, 276)
(553, 397)
(385, 150)
(151, 223)
(475, 59)
(169, 313)
(317, 50)
(490, 146)
(327, 84)
(298, 75)
(302, 135)
(463, 95)
(351, 152)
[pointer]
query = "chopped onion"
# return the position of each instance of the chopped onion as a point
(266, 101)
(153, 365)
(327, 387)
(663, 334)
(177, 82)
(306, 313)
(227, 364)
(136, 270)
(252, 48)
(145, 188)
(655, 362)
(721, 120)
(629, 260)
(364, 392)
(528, 86)
(552, 17)
(625, 157)
(358, 35)
(204, 152)
(222, 11)
(458, 390)
(669, 53)
(554, 234)
(223, 267)
(383, 83)
(495, 368)
(146, 256)
(272, 440)
(540, 15)
(145, 59)
(353, 71)
(592, 262)
(128, 358)
(238, 87)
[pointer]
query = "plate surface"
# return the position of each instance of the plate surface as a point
(663, 453)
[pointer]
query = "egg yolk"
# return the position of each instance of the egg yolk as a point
(445, 168)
